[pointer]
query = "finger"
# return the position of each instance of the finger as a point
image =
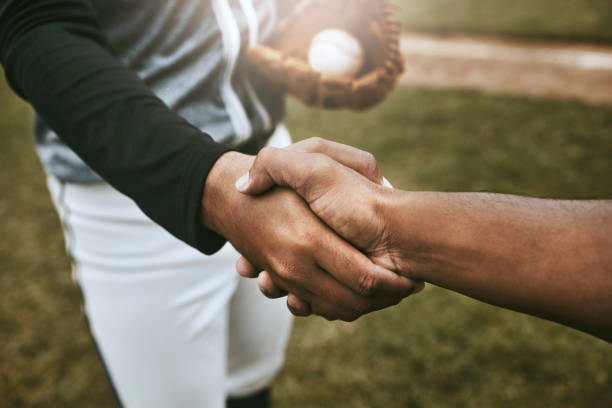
(356, 271)
(328, 298)
(308, 174)
(325, 296)
(419, 287)
(245, 268)
(359, 160)
(297, 306)
(272, 167)
(268, 287)
(333, 309)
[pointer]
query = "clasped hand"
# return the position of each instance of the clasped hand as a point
(321, 238)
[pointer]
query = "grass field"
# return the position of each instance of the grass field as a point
(551, 19)
(438, 349)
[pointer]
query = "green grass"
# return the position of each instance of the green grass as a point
(589, 20)
(435, 350)
(47, 357)
(469, 141)
(441, 349)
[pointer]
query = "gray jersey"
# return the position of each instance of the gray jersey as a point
(191, 55)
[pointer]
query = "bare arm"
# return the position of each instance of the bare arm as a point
(548, 258)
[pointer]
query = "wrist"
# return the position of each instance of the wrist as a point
(390, 208)
(415, 232)
(220, 194)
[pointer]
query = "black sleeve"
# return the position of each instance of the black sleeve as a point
(54, 56)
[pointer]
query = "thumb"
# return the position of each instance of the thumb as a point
(258, 179)
(254, 182)
(275, 167)
(243, 184)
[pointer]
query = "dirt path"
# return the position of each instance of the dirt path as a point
(582, 71)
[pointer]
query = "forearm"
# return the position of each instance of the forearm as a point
(55, 57)
(547, 258)
(220, 200)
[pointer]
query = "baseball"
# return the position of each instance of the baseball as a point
(335, 52)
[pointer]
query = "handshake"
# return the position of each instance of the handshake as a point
(314, 223)
(309, 218)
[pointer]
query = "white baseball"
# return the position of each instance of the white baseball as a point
(387, 183)
(335, 52)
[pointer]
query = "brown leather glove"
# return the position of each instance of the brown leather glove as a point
(283, 62)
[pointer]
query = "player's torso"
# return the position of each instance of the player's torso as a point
(191, 54)
(185, 50)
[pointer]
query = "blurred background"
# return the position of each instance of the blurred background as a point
(512, 97)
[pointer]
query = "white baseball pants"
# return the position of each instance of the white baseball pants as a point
(175, 328)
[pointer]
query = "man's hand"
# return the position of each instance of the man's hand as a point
(279, 233)
(330, 178)
(548, 258)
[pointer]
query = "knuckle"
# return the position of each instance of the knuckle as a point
(306, 241)
(357, 310)
(323, 163)
(369, 158)
(363, 307)
(371, 165)
(259, 162)
(326, 311)
(315, 144)
(288, 271)
(264, 154)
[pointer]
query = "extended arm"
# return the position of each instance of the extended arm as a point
(548, 258)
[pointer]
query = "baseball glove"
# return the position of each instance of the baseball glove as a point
(283, 62)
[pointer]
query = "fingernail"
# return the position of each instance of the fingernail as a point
(243, 182)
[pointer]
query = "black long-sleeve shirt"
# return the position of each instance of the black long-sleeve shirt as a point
(54, 55)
